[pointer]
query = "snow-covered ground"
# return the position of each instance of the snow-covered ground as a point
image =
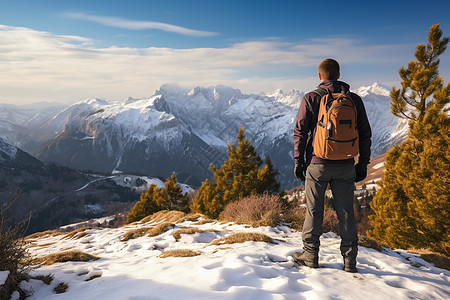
(133, 269)
(3, 277)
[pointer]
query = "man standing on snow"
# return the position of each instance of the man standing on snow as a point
(319, 172)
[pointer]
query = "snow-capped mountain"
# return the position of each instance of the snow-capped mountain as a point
(185, 130)
(19, 125)
(387, 129)
(11, 155)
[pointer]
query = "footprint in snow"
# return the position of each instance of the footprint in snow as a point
(134, 247)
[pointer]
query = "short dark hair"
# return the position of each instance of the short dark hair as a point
(329, 69)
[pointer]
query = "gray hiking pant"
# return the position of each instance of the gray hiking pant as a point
(341, 177)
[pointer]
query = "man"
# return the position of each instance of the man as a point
(318, 172)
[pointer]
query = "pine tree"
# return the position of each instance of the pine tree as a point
(172, 197)
(421, 79)
(243, 174)
(148, 204)
(205, 193)
(266, 177)
(412, 207)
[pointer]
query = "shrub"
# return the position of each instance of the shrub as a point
(296, 217)
(179, 253)
(330, 221)
(255, 210)
(13, 255)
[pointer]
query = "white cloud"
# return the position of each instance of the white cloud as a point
(138, 25)
(37, 65)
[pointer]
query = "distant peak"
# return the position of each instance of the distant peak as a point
(376, 88)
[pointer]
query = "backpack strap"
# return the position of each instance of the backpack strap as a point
(321, 92)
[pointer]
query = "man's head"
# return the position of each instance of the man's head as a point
(329, 69)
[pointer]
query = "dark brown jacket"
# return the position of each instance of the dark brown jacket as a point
(307, 119)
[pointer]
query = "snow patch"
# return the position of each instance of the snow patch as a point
(3, 277)
(250, 270)
(379, 165)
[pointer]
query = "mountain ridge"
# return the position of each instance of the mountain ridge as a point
(185, 130)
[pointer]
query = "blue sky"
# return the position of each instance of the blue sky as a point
(71, 50)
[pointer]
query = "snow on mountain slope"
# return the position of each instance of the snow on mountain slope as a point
(137, 269)
(10, 155)
(185, 130)
(17, 123)
(292, 98)
(7, 151)
(387, 129)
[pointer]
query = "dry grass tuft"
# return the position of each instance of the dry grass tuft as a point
(364, 241)
(160, 229)
(133, 234)
(179, 253)
(194, 217)
(173, 216)
(221, 248)
(40, 245)
(77, 233)
(74, 255)
(149, 231)
(47, 279)
(177, 234)
(439, 260)
(242, 237)
(93, 277)
(199, 218)
(61, 288)
(203, 221)
(256, 210)
(38, 235)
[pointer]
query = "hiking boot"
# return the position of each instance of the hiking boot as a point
(350, 264)
(306, 259)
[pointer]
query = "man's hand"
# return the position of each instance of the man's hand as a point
(300, 169)
(361, 172)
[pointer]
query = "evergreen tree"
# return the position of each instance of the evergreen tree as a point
(266, 177)
(412, 207)
(148, 204)
(421, 79)
(205, 192)
(172, 197)
(240, 176)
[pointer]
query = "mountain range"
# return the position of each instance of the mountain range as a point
(177, 130)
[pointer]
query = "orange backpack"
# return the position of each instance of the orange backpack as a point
(336, 135)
